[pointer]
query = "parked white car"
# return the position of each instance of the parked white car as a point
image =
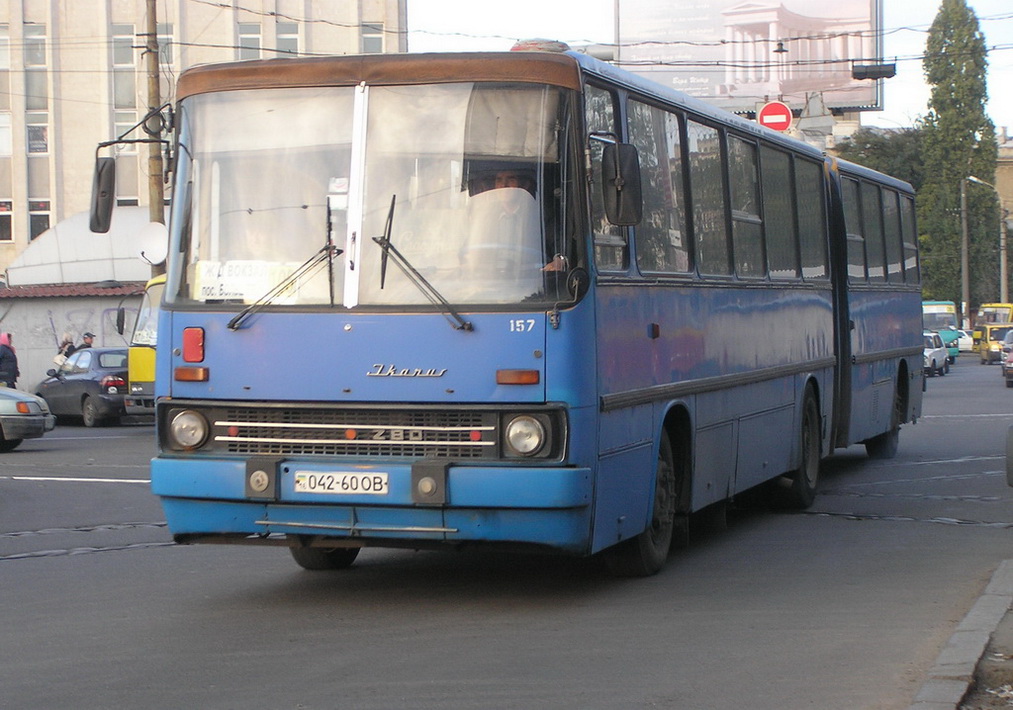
(22, 416)
(965, 341)
(935, 357)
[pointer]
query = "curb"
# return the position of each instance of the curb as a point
(953, 671)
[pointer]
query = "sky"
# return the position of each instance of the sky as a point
(467, 25)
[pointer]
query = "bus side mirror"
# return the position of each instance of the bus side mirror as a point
(121, 319)
(103, 195)
(620, 177)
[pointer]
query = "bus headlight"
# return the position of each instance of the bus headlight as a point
(524, 435)
(188, 429)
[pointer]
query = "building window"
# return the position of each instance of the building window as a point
(37, 132)
(6, 137)
(249, 40)
(287, 39)
(5, 48)
(123, 121)
(123, 46)
(165, 55)
(35, 45)
(38, 217)
(6, 227)
(124, 88)
(372, 37)
(36, 90)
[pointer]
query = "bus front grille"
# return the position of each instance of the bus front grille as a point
(356, 432)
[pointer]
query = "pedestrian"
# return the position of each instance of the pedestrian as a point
(87, 340)
(8, 361)
(66, 350)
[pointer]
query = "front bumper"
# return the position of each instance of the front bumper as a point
(26, 426)
(544, 506)
(139, 406)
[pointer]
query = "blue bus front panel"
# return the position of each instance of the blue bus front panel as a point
(377, 367)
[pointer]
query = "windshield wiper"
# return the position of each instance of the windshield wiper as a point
(412, 274)
(326, 253)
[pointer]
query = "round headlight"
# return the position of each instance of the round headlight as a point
(188, 429)
(525, 435)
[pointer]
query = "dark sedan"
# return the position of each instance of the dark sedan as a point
(90, 384)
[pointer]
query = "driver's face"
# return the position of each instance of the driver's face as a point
(508, 180)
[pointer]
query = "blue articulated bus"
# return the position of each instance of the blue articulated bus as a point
(522, 299)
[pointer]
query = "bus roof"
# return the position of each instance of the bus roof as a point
(556, 69)
(561, 69)
(856, 170)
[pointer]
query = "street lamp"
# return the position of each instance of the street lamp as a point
(1003, 268)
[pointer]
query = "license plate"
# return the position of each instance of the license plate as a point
(342, 483)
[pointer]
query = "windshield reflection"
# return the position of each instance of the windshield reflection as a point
(476, 171)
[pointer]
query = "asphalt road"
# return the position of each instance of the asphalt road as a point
(844, 606)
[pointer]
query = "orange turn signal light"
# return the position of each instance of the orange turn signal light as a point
(191, 374)
(517, 377)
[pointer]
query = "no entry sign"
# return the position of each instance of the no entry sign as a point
(775, 115)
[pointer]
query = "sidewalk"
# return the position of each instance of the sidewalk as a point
(990, 620)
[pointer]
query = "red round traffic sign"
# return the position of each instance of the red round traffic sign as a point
(775, 115)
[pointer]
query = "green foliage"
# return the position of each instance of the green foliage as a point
(958, 140)
(897, 153)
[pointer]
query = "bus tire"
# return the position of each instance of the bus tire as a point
(645, 554)
(798, 489)
(324, 558)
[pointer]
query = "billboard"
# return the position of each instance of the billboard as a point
(739, 53)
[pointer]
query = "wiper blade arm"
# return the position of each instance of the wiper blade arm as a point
(386, 245)
(307, 268)
(420, 282)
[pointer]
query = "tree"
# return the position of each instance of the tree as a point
(894, 152)
(958, 141)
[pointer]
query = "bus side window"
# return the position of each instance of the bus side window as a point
(710, 234)
(660, 237)
(910, 240)
(853, 227)
(812, 223)
(779, 213)
(891, 230)
(747, 226)
(611, 251)
(872, 228)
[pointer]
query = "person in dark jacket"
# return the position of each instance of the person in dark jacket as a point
(8, 361)
(86, 341)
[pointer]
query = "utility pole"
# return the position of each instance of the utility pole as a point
(965, 277)
(156, 190)
(1003, 259)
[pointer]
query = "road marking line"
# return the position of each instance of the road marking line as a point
(76, 480)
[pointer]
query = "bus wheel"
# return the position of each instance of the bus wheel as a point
(324, 558)
(645, 554)
(798, 488)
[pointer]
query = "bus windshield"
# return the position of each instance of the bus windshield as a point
(464, 181)
(146, 325)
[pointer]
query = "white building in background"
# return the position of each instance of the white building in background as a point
(72, 75)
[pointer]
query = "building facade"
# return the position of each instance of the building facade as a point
(73, 74)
